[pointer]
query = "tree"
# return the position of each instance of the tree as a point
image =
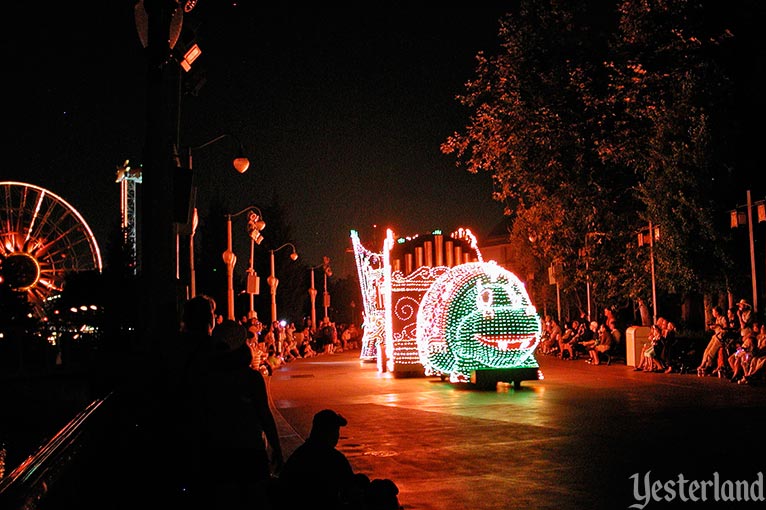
(665, 92)
(596, 117)
(532, 130)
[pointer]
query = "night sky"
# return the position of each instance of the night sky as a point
(341, 112)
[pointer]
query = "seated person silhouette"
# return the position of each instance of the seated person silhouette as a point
(317, 475)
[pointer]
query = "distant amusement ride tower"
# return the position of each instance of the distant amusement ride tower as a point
(127, 178)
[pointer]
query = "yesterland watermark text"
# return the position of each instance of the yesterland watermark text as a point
(714, 489)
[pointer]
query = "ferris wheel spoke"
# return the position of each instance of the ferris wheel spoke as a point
(43, 240)
(35, 213)
(60, 239)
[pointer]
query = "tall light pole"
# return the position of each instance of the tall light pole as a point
(654, 234)
(313, 292)
(740, 218)
(587, 268)
(274, 282)
(240, 164)
(192, 273)
(252, 281)
(313, 296)
(255, 224)
(654, 281)
(326, 295)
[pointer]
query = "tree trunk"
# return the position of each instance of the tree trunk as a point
(646, 316)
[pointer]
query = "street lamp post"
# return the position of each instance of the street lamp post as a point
(654, 234)
(240, 164)
(252, 281)
(255, 224)
(313, 296)
(274, 282)
(192, 272)
(740, 218)
(587, 268)
(313, 292)
(654, 281)
(325, 298)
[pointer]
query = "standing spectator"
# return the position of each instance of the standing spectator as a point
(236, 418)
(289, 331)
(228, 414)
(176, 412)
(269, 339)
(278, 334)
(308, 323)
(326, 337)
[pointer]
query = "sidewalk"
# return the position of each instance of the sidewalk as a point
(576, 440)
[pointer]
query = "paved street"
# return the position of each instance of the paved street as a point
(576, 440)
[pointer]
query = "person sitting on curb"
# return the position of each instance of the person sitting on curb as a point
(317, 475)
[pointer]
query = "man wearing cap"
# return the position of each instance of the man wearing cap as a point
(317, 474)
(745, 314)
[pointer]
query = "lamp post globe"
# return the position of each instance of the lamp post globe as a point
(273, 281)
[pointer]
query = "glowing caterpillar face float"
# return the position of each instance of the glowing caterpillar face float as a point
(476, 316)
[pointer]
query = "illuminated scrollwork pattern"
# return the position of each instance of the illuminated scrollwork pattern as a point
(406, 293)
(370, 270)
(374, 334)
(417, 306)
(405, 309)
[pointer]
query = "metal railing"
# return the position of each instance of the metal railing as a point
(32, 481)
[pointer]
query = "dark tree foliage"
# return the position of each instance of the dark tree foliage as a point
(595, 119)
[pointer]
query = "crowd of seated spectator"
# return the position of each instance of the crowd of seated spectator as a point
(736, 349)
(593, 340)
(282, 343)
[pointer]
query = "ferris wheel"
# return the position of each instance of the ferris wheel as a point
(42, 240)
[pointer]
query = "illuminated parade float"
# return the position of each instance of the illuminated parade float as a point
(434, 307)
